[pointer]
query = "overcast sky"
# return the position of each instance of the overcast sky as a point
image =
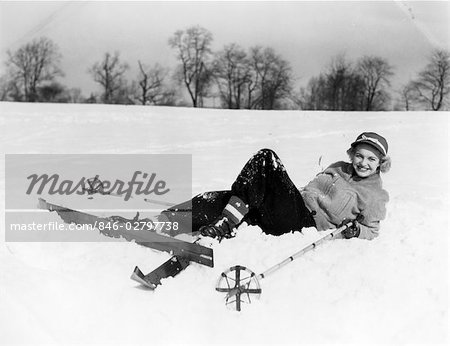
(307, 34)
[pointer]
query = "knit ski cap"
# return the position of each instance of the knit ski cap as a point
(373, 139)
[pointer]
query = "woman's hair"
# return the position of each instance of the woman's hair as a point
(385, 161)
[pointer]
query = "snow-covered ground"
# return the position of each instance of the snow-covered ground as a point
(390, 290)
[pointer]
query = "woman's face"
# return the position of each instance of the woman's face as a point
(366, 160)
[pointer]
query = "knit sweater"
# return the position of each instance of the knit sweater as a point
(338, 193)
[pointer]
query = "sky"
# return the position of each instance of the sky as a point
(308, 34)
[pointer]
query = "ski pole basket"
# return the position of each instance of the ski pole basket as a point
(239, 283)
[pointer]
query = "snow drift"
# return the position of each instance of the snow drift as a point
(389, 290)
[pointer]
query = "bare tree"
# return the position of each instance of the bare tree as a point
(343, 86)
(433, 83)
(32, 64)
(375, 72)
(339, 88)
(150, 85)
(109, 73)
(231, 71)
(407, 96)
(74, 95)
(9, 89)
(313, 95)
(272, 77)
(5, 88)
(53, 92)
(193, 52)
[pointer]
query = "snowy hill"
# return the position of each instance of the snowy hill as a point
(390, 290)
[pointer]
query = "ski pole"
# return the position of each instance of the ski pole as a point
(245, 282)
(306, 249)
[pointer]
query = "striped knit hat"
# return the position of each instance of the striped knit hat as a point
(373, 139)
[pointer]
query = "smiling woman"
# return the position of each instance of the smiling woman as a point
(367, 161)
(264, 195)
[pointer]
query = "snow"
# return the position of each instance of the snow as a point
(393, 289)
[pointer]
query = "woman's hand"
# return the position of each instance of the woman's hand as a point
(353, 230)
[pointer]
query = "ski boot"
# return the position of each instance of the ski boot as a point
(231, 217)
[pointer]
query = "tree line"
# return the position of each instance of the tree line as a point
(254, 78)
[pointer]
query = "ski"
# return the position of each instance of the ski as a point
(187, 251)
(171, 267)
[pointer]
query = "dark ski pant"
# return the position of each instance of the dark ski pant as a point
(275, 204)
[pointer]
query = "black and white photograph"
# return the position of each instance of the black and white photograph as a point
(224, 172)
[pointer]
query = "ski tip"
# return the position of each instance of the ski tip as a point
(137, 272)
(139, 277)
